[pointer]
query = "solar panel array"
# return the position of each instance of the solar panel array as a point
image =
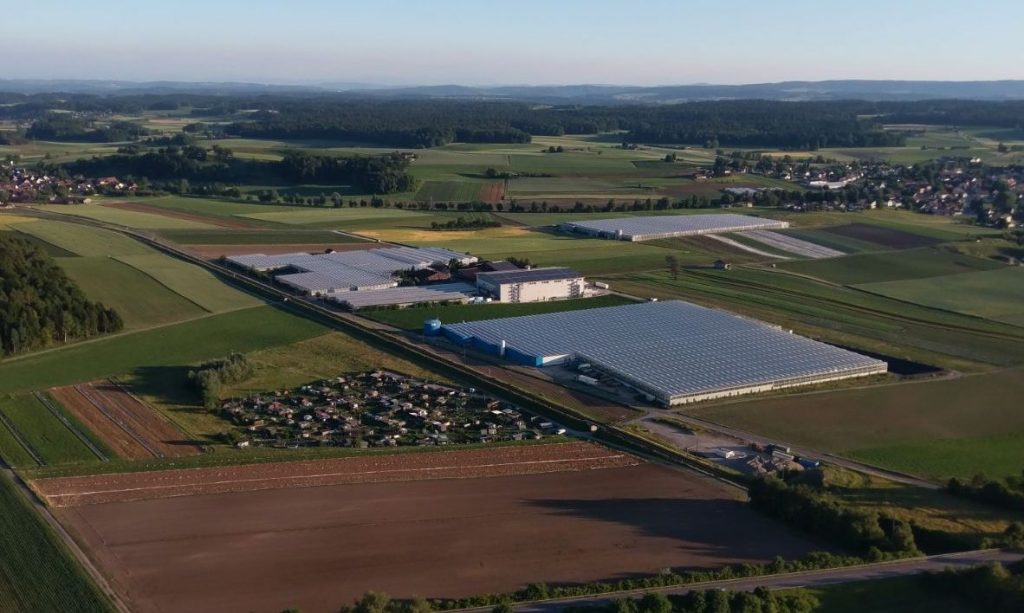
(348, 270)
(668, 226)
(405, 295)
(675, 349)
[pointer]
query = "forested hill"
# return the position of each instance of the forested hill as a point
(39, 305)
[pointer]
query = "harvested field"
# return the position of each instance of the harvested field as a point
(492, 192)
(462, 464)
(318, 548)
(131, 428)
(223, 222)
(215, 251)
(880, 235)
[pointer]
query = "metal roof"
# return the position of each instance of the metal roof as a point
(661, 226)
(527, 276)
(405, 295)
(674, 348)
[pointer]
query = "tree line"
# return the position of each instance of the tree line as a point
(39, 305)
(383, 174)
(210, 377)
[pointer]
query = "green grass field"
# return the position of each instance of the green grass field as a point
(449, 191)
(412, 318)
(269, 236)
(938, 429)
(46, 435)
(150, 350)
(36, 571)
(141, 301)
(82, 240)
(895, 595)
(195, 284)
(992, 294)
(124, 217)
(890, 266)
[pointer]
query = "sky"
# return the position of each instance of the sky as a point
(484, 42)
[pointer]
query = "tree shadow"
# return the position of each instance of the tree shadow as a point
(168, 385)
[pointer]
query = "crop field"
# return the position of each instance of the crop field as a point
(412, 318)
(262, 236)
(350, 218)
(544, 515)
(449, 191)
(124, 217)
(195, 284)
(991, 294)
(124, 423)
(179, 218)
(882, 236)
(42, 432)
(891, 266)
(149, 351)
(838, 315)
(822, 236)
(949, 427)
(140, 300)
(36, 571)
(83, 240)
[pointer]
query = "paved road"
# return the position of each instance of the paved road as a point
(817, 578)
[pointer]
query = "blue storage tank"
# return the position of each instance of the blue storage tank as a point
(432, 327)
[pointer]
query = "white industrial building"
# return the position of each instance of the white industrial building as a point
(340, 271)
(655, 227)
(532, 285)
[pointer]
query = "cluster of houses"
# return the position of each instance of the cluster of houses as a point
(23, 185)
(379, 409)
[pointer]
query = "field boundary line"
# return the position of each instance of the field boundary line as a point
(162, 284)
(117, 422)
(160, 414)
(361, 473)
(43, 400)
(18, 436)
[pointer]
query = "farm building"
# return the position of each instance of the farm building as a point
(673, 352)
(531, 285)
(369, 269)
(670, 226)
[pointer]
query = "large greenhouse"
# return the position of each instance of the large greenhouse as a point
(675, 352)
(669, 226)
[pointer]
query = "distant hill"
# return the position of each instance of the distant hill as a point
(562, 94)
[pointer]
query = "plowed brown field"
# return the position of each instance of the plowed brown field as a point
(128, 426)
(318, 548)
(493, 462)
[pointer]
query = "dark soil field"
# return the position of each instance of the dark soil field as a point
(319, 548)
(460, 464)
(131, 428)
(886, 237)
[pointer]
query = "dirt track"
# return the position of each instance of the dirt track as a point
(129, 427)
(460, 464)
(319, 548)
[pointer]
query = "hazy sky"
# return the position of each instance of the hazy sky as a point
(526, 41)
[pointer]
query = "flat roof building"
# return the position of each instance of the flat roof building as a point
(675, 352)
(532, 285)
(654, 227)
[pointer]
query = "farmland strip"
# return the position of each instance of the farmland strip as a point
(41, 397)
(81, 389)
(18, 436)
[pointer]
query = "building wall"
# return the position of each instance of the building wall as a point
(539, 291)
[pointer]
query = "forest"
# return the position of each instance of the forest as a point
(383, 174)
(40, 305)
(431, 122)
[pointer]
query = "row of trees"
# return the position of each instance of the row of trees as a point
(71, 128)
(209, 379)
(39, 305)
(1008, 493)
(991, 587)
